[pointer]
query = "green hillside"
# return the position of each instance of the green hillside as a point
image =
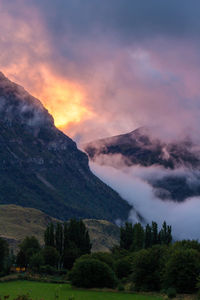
(17, 222)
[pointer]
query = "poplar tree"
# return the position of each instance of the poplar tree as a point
(126, 236)
(148, 237)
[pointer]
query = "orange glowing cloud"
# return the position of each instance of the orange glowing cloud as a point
(64, 99)
(24, 58)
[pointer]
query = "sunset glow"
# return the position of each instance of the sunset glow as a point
(63, 99)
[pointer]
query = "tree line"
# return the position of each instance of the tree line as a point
(146, 259)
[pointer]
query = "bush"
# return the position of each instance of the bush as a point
(120, 287)
(123, 268)
(102, 256)
(182, 270)
(171, 293)
(91, 273)
(36, 261)
(148, 265)
(48, 270)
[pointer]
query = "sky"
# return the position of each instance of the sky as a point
(107, 67)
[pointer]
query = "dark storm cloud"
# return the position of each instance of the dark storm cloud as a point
(127, 19)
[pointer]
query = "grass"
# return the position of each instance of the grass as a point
(47, 291)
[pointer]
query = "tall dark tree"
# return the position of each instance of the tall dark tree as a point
(126, 236)
(49, 236)
(4, 253)
(148, 237)
(138, 237)
(78, 234)
(155, 239)
(165, 234)
(65, 237)
(59, 238)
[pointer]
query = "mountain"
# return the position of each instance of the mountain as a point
(179, 161)
(41, 167)
(17, 222)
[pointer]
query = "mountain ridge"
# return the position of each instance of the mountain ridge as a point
(41, 167)
(178, 161)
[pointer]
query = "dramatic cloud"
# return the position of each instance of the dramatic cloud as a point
(106, 67)
(132, 185)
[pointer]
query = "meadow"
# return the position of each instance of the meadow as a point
(50, 291)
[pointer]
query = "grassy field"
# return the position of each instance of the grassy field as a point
(47, 291)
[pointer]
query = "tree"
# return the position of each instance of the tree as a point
(165, 234)
(182, 270)
(51, 256)
(36, 261)
(138, 237)
(148, 265)
(4, 253)
(49, 238)
(105, 257)
(28, 248)
(155, 239)
(148, 237)
(89, 273)
(123, 267)
(78, 234)
(126, 236)
(59, 238)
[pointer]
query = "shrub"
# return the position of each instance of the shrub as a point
(90, 273)
(148, 265)
(36, 261)
(120, 287)
(171, 293)
(48, 270)
(102, 256)
(123, 267)
(182, 270)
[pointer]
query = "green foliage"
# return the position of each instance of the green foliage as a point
(148, 265)
(120, 287)
(126, 236)
(71, 240)
(51, 256)
(165, 236)
(90, 273)
(102, 256)
(187, 244)
(4, 254)
(123, 267)
(171, 293)
(59, 238)
(147, 237)
(28, 248)
(36, 261)
(138, 237)
(182, 270)
(135, 237)
(49, 236)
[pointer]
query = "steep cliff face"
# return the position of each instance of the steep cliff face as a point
(179, 163)
(41, 167)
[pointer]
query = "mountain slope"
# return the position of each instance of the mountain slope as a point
(17, 222)
(179, 163)
(41, 167)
